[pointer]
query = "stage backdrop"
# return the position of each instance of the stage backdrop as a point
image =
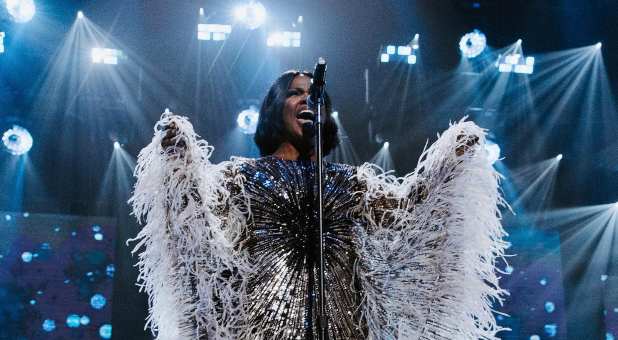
(56, 274)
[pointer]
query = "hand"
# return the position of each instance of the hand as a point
(468, 143)
(171, 138)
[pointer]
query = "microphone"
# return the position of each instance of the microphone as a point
(317, 83)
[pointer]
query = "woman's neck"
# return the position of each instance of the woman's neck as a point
(288, 152)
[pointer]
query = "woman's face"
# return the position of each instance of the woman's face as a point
(295, 103)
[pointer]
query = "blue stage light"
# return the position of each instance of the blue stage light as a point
(472, 44)
(412, 59)
(49, 325)
(105, 331)
(17, 140)
(21, 10)
(390, 49)
(251, 15)
(2, 42)
(384, 58)
(404, 50)
(97, 301)
(80, 15)
(247, 120)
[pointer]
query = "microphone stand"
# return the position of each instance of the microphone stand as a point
(319, 102)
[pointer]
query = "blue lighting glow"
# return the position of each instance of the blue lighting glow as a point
(543, 282)
(73, 321)
(26, 256)
(384, 58)
(252, 15)
(550, 307)
(411, 59)
(2, 34)
(21, 10)
(106, 331)
(49, 325)
(247, 120)
(390, 49)
(17, 140)
(551, 329)
(110, 270)
(84, 320)
(472, 44)
(404, 50)
(98, 236)
(535, 337)
(97, 301)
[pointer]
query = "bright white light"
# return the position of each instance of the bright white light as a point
(598, 45)
(300, 19)
(559, 157)
(17, 140)
(616, 206)
(116, 145)
(493, 151)
(283, 39)
(505, 68)
(386, 144)
(80, 15)
(201, 11)
(251, 15)
(105, 56)
(384, 58)
(412, 59)
(512, 59)
(516, 63)
(216, 32)
(247, 120)
(1, 42)
(404, 50)
(414, 43)
(390, 49)
(335, 114)
(21, 10)
(518, 41)
(472, 44)
(530, 61)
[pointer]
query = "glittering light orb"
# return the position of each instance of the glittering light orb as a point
(551, 329)
(604, 277)
(609, 336)
(17, 140)
(21, 10)
(251, 15)
(110, 270)
(247, 120)
(33, 302)
(549, 307)
(96, 228)
(543, 282)
(26, 256)
(97, 301)
(106, 331)
(84, 320)
(472, 44)
(98, 236)
(49, 325)
(73, 321)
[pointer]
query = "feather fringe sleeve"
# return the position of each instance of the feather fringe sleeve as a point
(188, 263)
(430, 243)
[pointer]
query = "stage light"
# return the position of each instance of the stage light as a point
(17, 140)
(515, 62)
(559, 157)
(80, 15)
(201, 11)
(251, 15)
(21, 10)
(414, 43)
(335, 114)
(616, 206)
(216, 32)
(1, 42)
(116, 145)
(599, 45)
(518, 41)
(283, 39)
(247, 120)
(412, 59)
(386, 145)
(390, 49)
(105, 56)
(300, 19)
(384, 58)
(472, 44)
(404, 50)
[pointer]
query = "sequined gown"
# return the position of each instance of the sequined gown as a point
(230, 250)
(283, 240)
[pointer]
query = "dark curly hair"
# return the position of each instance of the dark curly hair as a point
(271, 131)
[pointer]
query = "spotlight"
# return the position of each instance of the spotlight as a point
(390, 49)
(21, 10)
(414, 43)
(251, 15)
(216, 32)
(105, 56)
(335, 114)
(17, 140)
(386, 144)
(201, 11)
(598, 45)
(404, 50)
(1, 42)
(384, 58)
(247, 120)
(412, 59)
(116, 145)
(283, 39)
(472, 44)
(559, 157)
(80, 15)
(515, 62)
(518, 42)
(616, 206)
(300, 19)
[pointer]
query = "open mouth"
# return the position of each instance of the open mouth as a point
(305, 116)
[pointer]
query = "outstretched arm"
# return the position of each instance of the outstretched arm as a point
(429, 249)
(184, 251)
